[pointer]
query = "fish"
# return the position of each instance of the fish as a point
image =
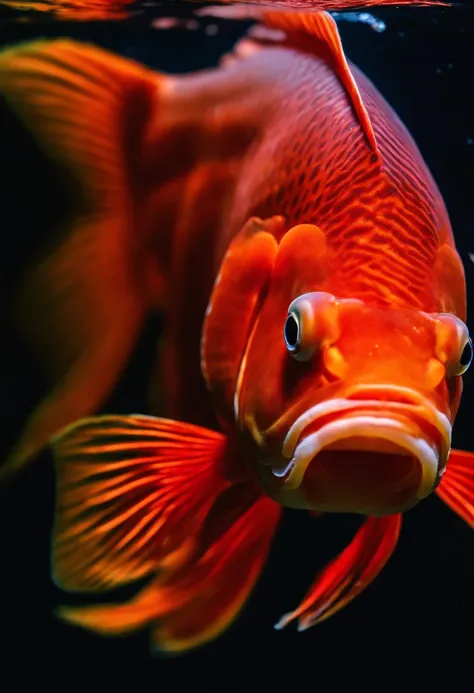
(280, 216)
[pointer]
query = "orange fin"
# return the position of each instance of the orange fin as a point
(167, 504)
(79, 309)
(457, 485)
(114, 619)
(129, 488)
(349, 574)
(314, 32)
(244, 273)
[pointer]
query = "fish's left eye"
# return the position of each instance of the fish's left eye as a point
(453, 344)
(465, 359)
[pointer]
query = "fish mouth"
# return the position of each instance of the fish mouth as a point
(377, 451)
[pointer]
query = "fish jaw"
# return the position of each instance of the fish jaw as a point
(377, 451)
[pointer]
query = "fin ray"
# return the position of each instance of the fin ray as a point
(105, 521)
(193, 604)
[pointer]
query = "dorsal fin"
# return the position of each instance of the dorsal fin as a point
(314, 32)
(322, 29)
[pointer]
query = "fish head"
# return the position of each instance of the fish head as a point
(351, 405)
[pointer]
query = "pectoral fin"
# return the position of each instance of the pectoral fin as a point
(349, 574)
(132, 495)
(139, 497)
(457, 485)
(190, 607)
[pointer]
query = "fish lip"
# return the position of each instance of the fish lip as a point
(369, 427)
(383, 419)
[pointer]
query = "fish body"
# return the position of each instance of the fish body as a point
(280, 215)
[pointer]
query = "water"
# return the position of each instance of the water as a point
(415, 622)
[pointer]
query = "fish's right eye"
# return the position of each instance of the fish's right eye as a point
(311, 324)
(292, 332)
(298, 335)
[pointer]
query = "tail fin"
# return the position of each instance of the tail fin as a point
(79, 309)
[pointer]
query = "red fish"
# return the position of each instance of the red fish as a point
(280, 215)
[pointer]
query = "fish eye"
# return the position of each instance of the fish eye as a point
(453, 344)
(311, 324)
(465, 359)
(292, 332)
(297, 334)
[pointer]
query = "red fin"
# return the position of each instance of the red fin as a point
(315, 32)
(244, 273)
(81, 307)
(349, 574)
(129, 490)
(212, 590)
(457, 485)
(319, 32)
(193, 603)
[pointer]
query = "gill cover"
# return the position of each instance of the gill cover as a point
(264, 269)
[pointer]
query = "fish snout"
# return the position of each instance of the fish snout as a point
(377, 451)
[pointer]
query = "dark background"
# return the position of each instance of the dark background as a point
(413, 626)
